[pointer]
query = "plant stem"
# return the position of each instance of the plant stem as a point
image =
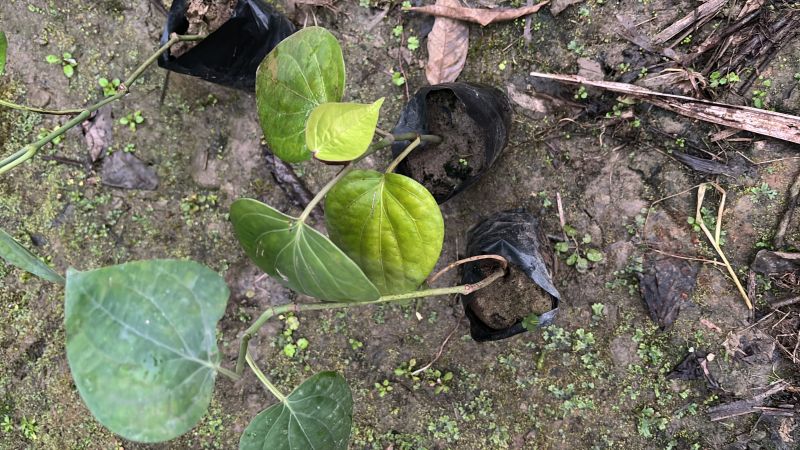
(402, 156)
(263, 378)
(324, 191)
(463, 289)
(392, 138)
(29, 150)
(63, 112)
(228, 373)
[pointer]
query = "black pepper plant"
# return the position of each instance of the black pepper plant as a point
(141, 337)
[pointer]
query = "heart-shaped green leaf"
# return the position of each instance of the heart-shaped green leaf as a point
(341, 131)
(389, 224)
(142, 346)
(298, 255)
(3, 50)
(302, 72)
(17, 255)
(318, 415)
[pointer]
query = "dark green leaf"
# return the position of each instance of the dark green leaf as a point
(389, 224)
(297, 255)
(3, 50)
(304, 71)
(18, 256)
(341, 131)
(318, 415)
(142, 346)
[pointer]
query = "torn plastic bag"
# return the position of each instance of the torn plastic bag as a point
(230, 54)
(497, 311)
(474, 122)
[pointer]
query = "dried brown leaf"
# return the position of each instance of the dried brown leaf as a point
(453, 10)
(97, 132)
(448, 44)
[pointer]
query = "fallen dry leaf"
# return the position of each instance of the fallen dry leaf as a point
(760, 121)
(453, 10)
(560, 5)
(97, 132)
(448, 43)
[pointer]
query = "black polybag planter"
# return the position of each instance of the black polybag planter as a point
(231, 54)
(487, 106)
(514, 235)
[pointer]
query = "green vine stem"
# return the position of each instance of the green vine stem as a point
(30, 150)
(463, 289)
(263, 378)
(403, 155)
(61, 112)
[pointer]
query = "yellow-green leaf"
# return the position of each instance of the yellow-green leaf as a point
(340, 132)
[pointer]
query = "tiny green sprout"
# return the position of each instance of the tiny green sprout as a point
(582, 94)
(406, 5)
(594, 255)
(355, 344)
(7, 425)
(687, 40)
(129, 148)
(289, 350)
(45, 132)
(502, 65)
(132, 120)
(797, 76)
(383, 388)
(68, 63)
(397, 31)
(302, 343)
(109, 87)
(413, 43)
(530, 322)
(598, 310)
(463, 162)
(587, 238)
(398, 79)
(28, 428)
(570, 230)
(562, 247)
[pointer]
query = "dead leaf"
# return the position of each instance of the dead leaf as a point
(560, 5)
(760, 121)
(97, 132)
(448, 44)
(590, 69)
(453, 10)
(126, 171)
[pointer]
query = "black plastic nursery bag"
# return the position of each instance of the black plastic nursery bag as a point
(474, 121)
(231, 54)
(514, 235)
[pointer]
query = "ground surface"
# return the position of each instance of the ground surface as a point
(593, 380)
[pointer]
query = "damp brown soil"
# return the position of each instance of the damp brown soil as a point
(460, 156)
(509, 300)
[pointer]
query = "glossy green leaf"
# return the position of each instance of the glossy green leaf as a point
(142, 346)
(318, 415)
(17, 255)
(341, 131)
(389, 224)
(302, 72)
(3, 50)
(297, 255)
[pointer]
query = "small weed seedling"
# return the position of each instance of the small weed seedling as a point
(68, 63)
(109, 87)
(580, 254)
(160, 353)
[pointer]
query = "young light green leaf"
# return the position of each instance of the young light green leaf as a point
(69, 71)
(341, 131)
(389, 224)
(142, 346)
(3, 50)
(317, 415)
(297, 255)
(594, 255)
(302, 72)
(16, 255)
(52, 59)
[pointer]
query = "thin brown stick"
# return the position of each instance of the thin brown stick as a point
(503, 264)
(441, 349)
(787, 302)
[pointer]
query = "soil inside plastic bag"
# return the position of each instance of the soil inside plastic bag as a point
(508, 300)
(443, 167)
(204, 17)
